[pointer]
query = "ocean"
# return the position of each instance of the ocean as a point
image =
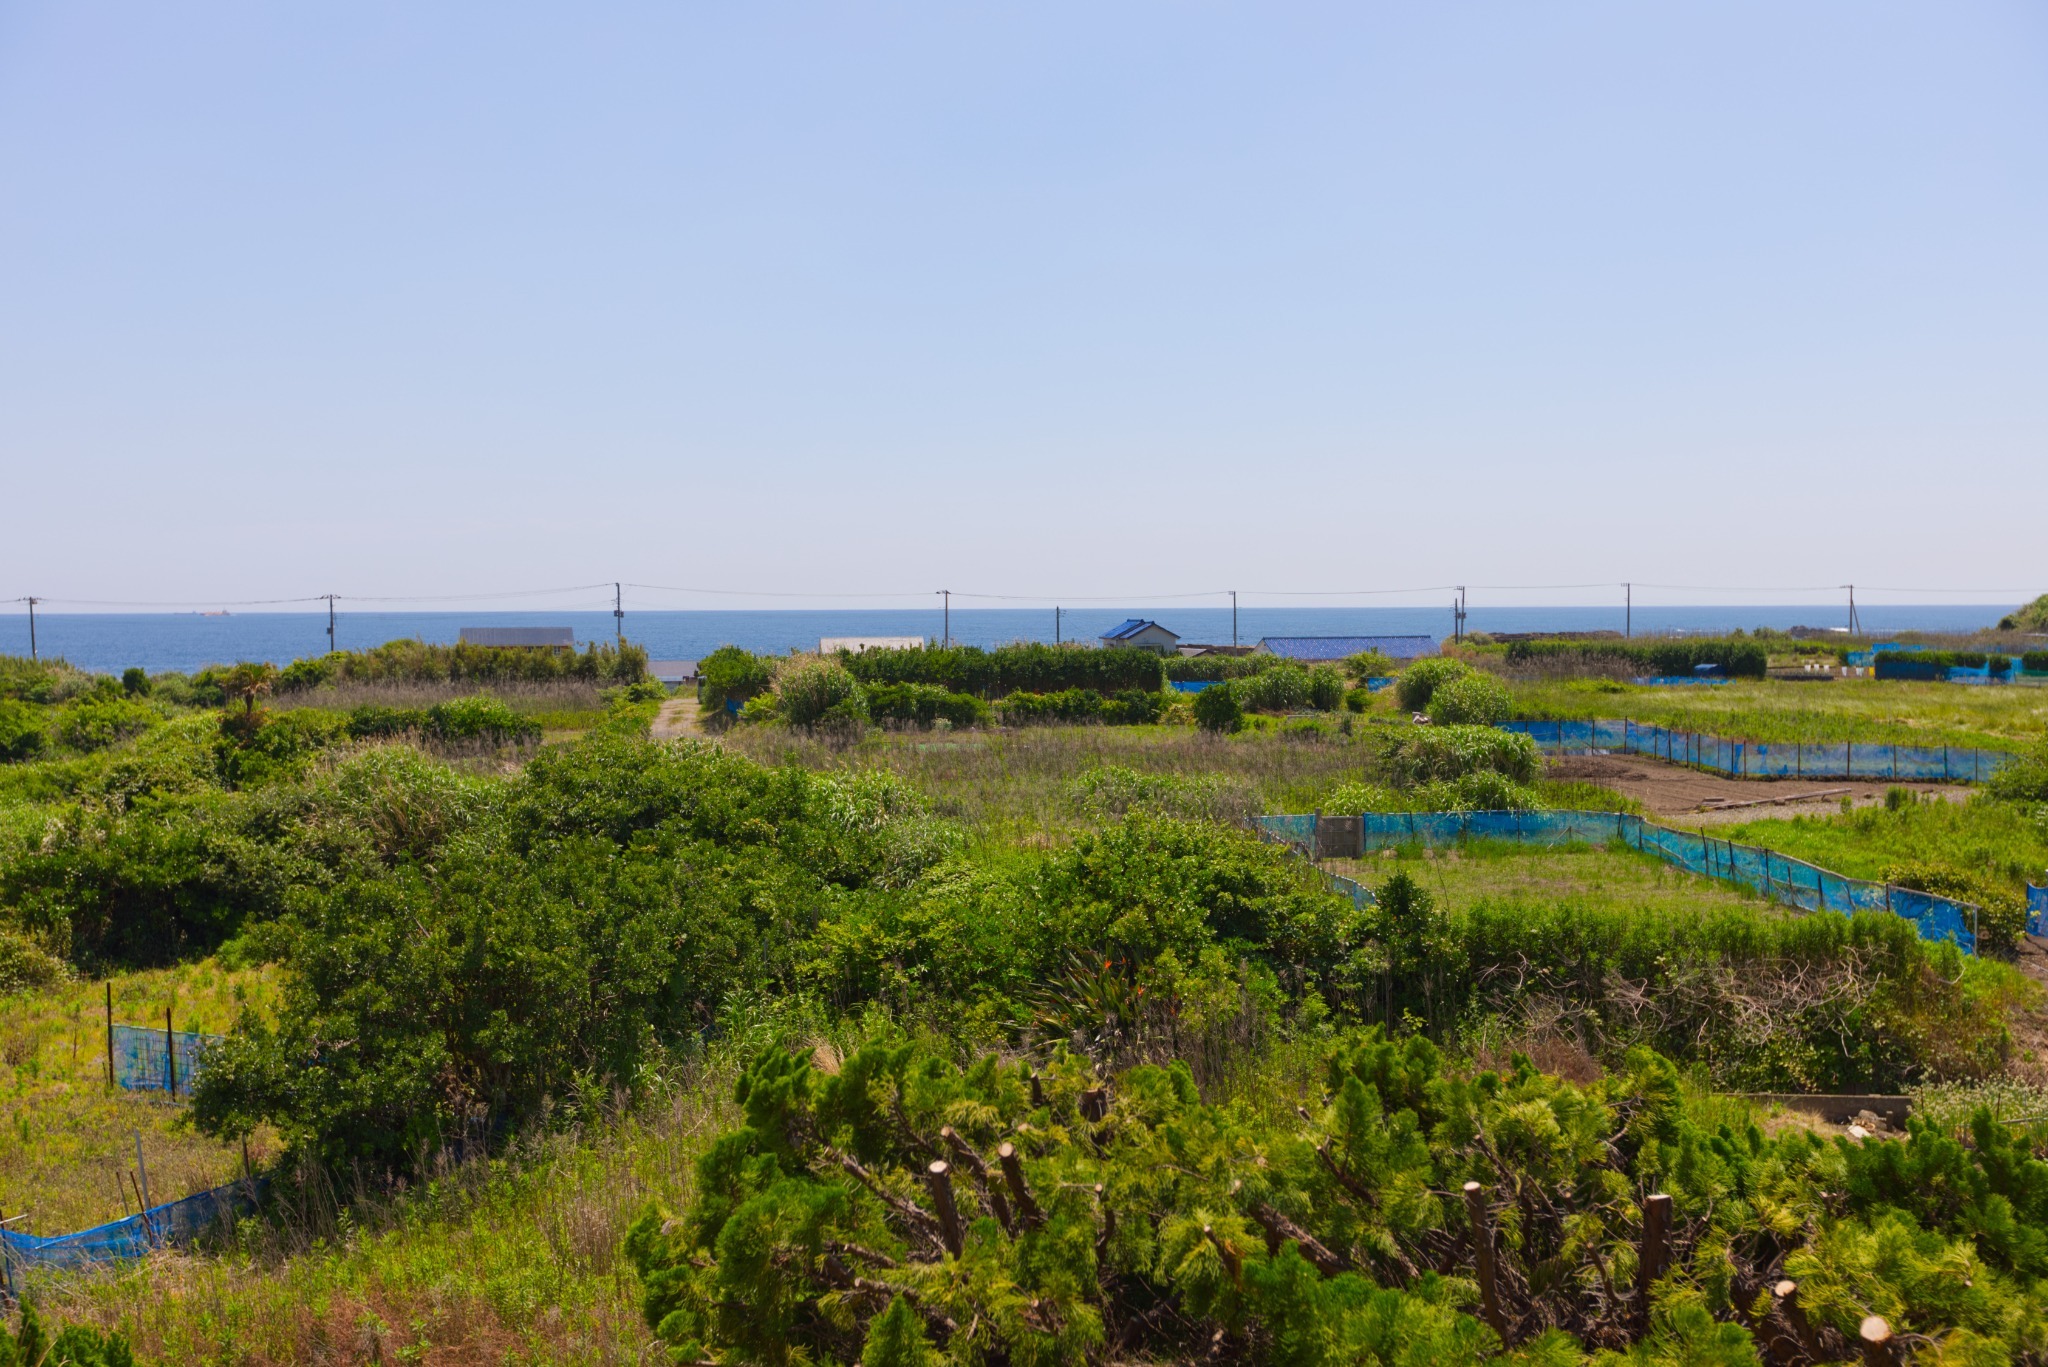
(110, 642)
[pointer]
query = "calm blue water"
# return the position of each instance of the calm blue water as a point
(186, 641)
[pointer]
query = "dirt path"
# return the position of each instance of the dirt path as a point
(678, 717)
(1677, 793)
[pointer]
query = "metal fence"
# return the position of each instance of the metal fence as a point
(144, 1059)
(1779, 877)
(1762, 759)
(175, 1223)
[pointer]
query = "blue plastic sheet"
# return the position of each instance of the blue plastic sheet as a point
(143, 1058)
(1758, 759)
(174, 1224)
(1789, 881)
(2037, 910)
(1192, 685)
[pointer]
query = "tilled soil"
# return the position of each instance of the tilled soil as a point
(1674, 792)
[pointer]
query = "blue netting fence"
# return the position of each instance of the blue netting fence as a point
(1761, 759)
(173, 1224)
(143, 1058)
(1779, 877)
(2037, 910)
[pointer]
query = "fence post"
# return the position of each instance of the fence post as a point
(1482, 1258)
(170, 1056)
(110, 1032)
(1655, 1251)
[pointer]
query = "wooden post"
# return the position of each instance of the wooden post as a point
(964, 1152)
(938, 1178)
(1787, 1294)
(1108, 1230)
(1482, 1259)
(1655, 1254)
(1013, 1174)
(170, 1056)
(1037, 1092)
(110, 1032)
(1877, 1342)
(1095, 1104)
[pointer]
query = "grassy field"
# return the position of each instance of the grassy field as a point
(65, 1137)
(2001, 840)
(1865, 710)
(1506, 874)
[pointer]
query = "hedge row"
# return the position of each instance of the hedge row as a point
(418, 662)
(1952, 659)
(1131, 707)
(1740, 659)
(1030, 668)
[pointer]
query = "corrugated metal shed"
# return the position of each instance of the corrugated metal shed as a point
(563, 638)
(1314, 649)
(672, 672)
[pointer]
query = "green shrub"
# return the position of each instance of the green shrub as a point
(1420, 681)
(1431, 753)
(913, 704)
(76, 1345)
(1484, 791)
(731, 674)
(21, 730)
(1325, 687)
(310, 672)
(480, 717)
(2032, 617)
(418, 662)
(1043, 709)
(26, 965)
(1214, 668)
(1022, 668)
(1470, 699)
(1371, 664)
(2023, 780)
(135, 682)
(1357, 700)
(1133, 707)
(1218, 709)
(1112, 792)
(2035, 662)
(1283, 688)
(820, 692)
(1355, 799)
(98, 722)
(2001, 904)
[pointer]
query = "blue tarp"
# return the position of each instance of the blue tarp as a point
(2037, 910)
(1759, 759)
(1783, 879)
(142, 1058)
(1192, 685)
(175, 1223)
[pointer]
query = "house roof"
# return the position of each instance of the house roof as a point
(1344, 647)
(1133, 628)
(672, 671)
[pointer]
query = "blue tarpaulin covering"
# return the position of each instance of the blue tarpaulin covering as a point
(2037, 910)
(174, 1224)
(1758, 759)
(1778, 877)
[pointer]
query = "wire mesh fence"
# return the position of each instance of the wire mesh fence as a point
(1792, 882)
(146, 1060)
(1765, 759)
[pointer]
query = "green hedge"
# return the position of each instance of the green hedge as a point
(1029, 668)
(1131, 707)
(1739, 659)
(1950, 659)
(1214, 668)
(418, 662)
(2035, 662)
(922, 704)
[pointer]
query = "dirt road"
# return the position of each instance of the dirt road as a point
(1672, 792)
(678, 717)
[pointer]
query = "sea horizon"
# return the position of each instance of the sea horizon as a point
(183, 641)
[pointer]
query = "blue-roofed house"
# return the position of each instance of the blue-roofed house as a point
(1144, 635)
(1318, 649)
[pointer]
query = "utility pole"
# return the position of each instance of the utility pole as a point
(1458, 616)
(1854, 625)
(32, 627)
(947, 594)
(1055, 626)
(619, 614)
(1628, 618)
(1233, 619)
(330, 621)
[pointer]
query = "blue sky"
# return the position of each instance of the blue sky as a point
(1054, 299)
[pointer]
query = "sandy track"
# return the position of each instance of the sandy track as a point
(1677, 793)
(678, 717)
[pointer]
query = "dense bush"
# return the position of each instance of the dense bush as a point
(1133, 707)
(905, 1210)
(1426, 754)
(1734, 658)
(1470, 699)
(1325, 687)
(1042, 709)
(729, 674)
(42, 681)
(21, 730)
(1284, 688)
(418, 662)
(1928, 663)
(1420, 681)
(1218, 709)
(1371, 664)
(820, 694)
(2032, 617)
(2024, 780)
(923, 704)
(1212, 668)
(76, 1345)
(1027, 668)
(97, 721)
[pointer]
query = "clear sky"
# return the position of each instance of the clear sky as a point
(1062, 299)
